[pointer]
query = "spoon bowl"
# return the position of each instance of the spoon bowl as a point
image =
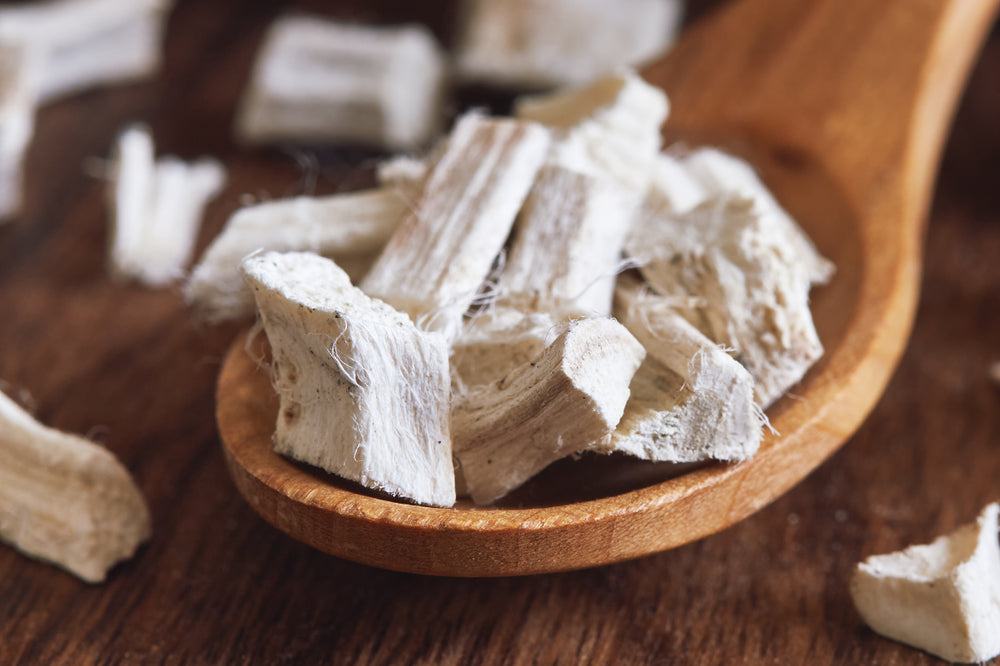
(842, 105)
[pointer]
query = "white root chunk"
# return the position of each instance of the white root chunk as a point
(542, 43)
(690, 400)
(64, 499)
(723, 174)
(17, 119)
(568, 244)
(156, 208)
(736, 274)
(943, 597)
(405, 173)
(609, 128)
(494, 343)
(341, 227)
(363, 393)
(82, 44)
(672, 190)
(444, 247)
(320, 80)
(564, 401)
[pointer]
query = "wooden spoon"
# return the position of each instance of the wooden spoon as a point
(843, 106)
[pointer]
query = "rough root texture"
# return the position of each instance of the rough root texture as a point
(443, 249)
(737, 275)
(363, 393)
(563, 401)
(690, 400)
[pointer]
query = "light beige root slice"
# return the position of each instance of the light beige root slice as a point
(722, 174)
(317, 79)
(690, 400)
(343, 227)
(156, 208)
(542, 43)
(494, 343)
(363, 393)
(17, 120)
(737, 275)
(564, 401)
(82, 44)
(943, 597)
(609, 128)
(64, 499)
(444, 248)
(672, 189)
(567, 245)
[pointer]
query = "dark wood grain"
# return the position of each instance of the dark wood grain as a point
(218, 585)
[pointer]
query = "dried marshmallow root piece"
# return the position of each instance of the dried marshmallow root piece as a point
(735, 273)
(82, 44)
(340, 226)
(156, 208)
(364, 394)
(723, 174)
(568, 245)
(672, 190)
(566, 400)
(609, 128)
(65, 499)
(444, 247)
(542, 43)
(320, 80)
(17, 119)
(690, 400)
(495, 343)
(943, 597)
(405, 173)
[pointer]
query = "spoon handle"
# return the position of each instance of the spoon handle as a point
(866, 88)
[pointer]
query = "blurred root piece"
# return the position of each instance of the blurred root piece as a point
(82, 44)
(156, 208)
(943, 597)
(349, 227)
(567, 245)
(543, 43)
(734, 271)
(608, 128)
(363, 393)
(64, 499)
(690, 400)
(17, 118)
(317, 80)
(672, 190)
(445, 245)
(565, 400)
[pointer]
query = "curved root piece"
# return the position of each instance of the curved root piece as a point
(65, 499)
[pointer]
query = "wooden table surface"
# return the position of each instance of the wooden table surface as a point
(133, 369)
